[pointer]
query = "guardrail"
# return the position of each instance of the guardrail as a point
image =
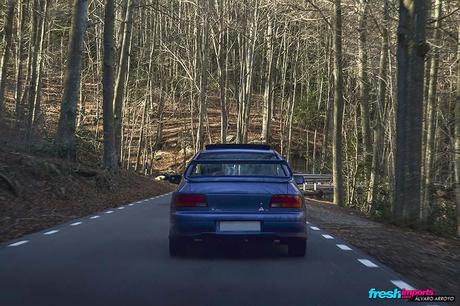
(317, 184)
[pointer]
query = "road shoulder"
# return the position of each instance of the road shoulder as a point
(430, 261)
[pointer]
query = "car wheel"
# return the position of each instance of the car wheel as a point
(176, 247)
(297, 248)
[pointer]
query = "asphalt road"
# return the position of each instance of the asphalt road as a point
(120, 257)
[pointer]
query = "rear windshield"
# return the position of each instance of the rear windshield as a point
(233, 168)
(237, 156)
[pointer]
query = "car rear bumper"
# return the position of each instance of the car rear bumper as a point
(273, 226)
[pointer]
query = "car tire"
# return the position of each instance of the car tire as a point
(297, 248)
(176, 247)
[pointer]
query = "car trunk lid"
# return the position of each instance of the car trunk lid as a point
(239, 196)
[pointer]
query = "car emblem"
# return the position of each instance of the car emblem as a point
(261, 208)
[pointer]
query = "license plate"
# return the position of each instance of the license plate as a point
(239, 226)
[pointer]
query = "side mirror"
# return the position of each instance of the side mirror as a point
(175, 178)
(299, 179)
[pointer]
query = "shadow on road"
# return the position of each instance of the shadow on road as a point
(235, 250)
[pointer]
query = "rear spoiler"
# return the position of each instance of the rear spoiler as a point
(240, 161)
(263, 147)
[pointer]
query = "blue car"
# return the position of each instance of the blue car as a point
(245, 192)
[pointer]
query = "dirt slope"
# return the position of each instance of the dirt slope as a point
(37, 193)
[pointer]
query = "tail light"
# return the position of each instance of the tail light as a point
(286, 201)
(190, 200)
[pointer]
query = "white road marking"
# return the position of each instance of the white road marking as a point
(308, 222)
(328, 237)
(95, 217)
(368, 263)
(402, 285)
(131, 204)
(314, 228)
(343, 247)
(122, 207)
(18, 243)
(109, 212)
(138, 202)
(76, 223)
(51, 232)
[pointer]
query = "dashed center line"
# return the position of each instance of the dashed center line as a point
(109, 212)
(343, 247)
(328, 237)
(18, 243)
(368, 263)
(94, 217)
(76, 223)
(131, 204)
(402, 285)
(51, 232)
(314, 228)
(122, 207)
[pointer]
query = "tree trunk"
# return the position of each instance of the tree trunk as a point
(338, 108)
(202, 108)
(457, 137)
(247, 54)
(37, 117)
(32, 69)
(121, 77)
(268, 90)
(431, 116)
(65, 138)
(110, 159)
(411, 53)
(374, 179)
(141, 137)
(292, 104)
(364, 88)
(7, 38)
(19, 62)
(220, 49)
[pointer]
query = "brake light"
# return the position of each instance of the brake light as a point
(190, 200)
(286, 201)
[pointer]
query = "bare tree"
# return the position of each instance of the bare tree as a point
(247, 45)
(7, 38)
(411, 53)
(65, 137)
(364, 86)
(457, 137)
(204, 49)
(379, 113)
(121, 76)
(110, 159)
(268, 91)
(22, 13)
(337, 166)
(431, 115)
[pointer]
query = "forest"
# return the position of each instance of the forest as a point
(366, 90)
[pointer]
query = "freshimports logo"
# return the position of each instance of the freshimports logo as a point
(426, 295)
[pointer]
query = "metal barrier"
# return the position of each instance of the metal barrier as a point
(316, 182)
